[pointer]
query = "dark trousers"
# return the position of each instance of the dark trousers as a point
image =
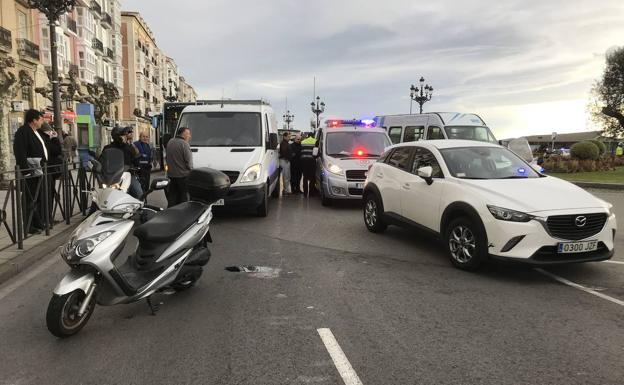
(295, 176)
(309, 178)
(177, 191)
(32, 203)
(145, 176)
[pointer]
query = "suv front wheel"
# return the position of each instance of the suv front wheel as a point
(373, 214)
(466, 243)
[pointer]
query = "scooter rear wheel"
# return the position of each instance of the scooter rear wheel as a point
(62, 315)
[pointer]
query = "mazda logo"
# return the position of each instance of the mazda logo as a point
(580, 221)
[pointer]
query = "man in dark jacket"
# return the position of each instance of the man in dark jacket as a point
(55, 164)
(119, 136)
(295, 165)
(285, 155)
(308, 165)
(179, 165)
(29, 149)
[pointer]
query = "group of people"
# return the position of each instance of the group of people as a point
(37, 148)
(296, 163)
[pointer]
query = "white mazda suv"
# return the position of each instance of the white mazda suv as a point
(486, 202)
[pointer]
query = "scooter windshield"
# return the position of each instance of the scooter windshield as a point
(112, 163)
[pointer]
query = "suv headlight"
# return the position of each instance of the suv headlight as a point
(84, 247)
(252, 173)
(509, 215)
(334, 168)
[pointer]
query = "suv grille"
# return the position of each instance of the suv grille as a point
(233, 175)
(565, 227)
(356, 175)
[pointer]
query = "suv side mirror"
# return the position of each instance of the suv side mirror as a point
(426, 173)
(315, 152)
(272, 141)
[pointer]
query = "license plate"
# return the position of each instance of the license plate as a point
(220, 202)
(359, 185)
(577, 247)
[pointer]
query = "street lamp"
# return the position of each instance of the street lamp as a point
(422, 95)
(171, 97)
(318, 108)
(288, 118)
(53, 9)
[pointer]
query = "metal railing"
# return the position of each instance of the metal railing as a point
(96, 8)
(107, 19)
(97, 44)
(6, 43)
(72, 25)
(28, 49)
(35, 200)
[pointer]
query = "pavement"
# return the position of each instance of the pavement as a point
(397, 311)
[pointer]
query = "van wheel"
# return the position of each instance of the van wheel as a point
(466, 243)
(373, 214)
(276, 189)
(325, 201)
(263, 209)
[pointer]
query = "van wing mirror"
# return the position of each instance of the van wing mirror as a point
(315, 151)
(272, 141)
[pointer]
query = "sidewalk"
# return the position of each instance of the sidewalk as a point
(14, 261)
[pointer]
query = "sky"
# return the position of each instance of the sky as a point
(526, 67)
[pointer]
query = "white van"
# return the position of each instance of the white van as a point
(345, 150)
(435, 125)
(239, 138)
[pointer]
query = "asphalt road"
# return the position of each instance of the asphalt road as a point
(398, 310)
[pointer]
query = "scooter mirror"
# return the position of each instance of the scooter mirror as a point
(159, 184)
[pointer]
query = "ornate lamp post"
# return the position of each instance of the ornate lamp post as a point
(288, 118)
(53, 9)
(422, 95)
(317, 109)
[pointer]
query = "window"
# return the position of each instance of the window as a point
(424, 158)
(400, 158)
(413, 133)
(395, 134)
(224, 129)
(22, 25)
(434, 132)
(266, 129)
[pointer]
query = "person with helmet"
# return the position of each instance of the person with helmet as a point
(119, 136)
(308, 165)
(619, 151)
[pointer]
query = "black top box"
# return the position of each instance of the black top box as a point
(207, 185)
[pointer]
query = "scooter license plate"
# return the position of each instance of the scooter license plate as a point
(359, 185)
(220, 202)
(577, 247)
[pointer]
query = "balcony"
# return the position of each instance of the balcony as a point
(96, 8)
(6, 44)
(72, 25)
(98, 80)
(28, 50)
(109, 54)
(97, 44)
(107, 20)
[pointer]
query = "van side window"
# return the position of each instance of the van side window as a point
(424, 158)
(395, 134)
(400, 158)
(413, 133)
(266, 130)
(434, 132)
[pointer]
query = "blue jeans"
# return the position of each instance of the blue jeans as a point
(135, 188)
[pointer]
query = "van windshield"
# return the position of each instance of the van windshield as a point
(480, 133)
(356, 143)
(223, 129)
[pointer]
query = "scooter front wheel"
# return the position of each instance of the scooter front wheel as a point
(62, 315)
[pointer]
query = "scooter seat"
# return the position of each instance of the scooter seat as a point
(169, 224)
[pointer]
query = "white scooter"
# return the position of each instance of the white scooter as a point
(125, 251)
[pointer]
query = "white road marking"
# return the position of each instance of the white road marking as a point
(580, 287)
(349, 376)
(21, 279)
(615, 262)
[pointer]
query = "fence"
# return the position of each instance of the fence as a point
(33, 200)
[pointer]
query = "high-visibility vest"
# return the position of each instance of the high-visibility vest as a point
(619, 151)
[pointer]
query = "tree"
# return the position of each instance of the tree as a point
(8, 80)
(607, 107)
(102, 94)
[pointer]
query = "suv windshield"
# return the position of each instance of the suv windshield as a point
(486, 163)
(480, 133)
(360, 143)
(223, 129)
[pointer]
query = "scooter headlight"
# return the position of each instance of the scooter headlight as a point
(84, 247)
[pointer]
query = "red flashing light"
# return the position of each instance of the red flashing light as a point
(334, 123)
(359, 152)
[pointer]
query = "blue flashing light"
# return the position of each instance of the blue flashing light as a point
(522, 171)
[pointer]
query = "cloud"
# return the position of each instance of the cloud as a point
(480, 56)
